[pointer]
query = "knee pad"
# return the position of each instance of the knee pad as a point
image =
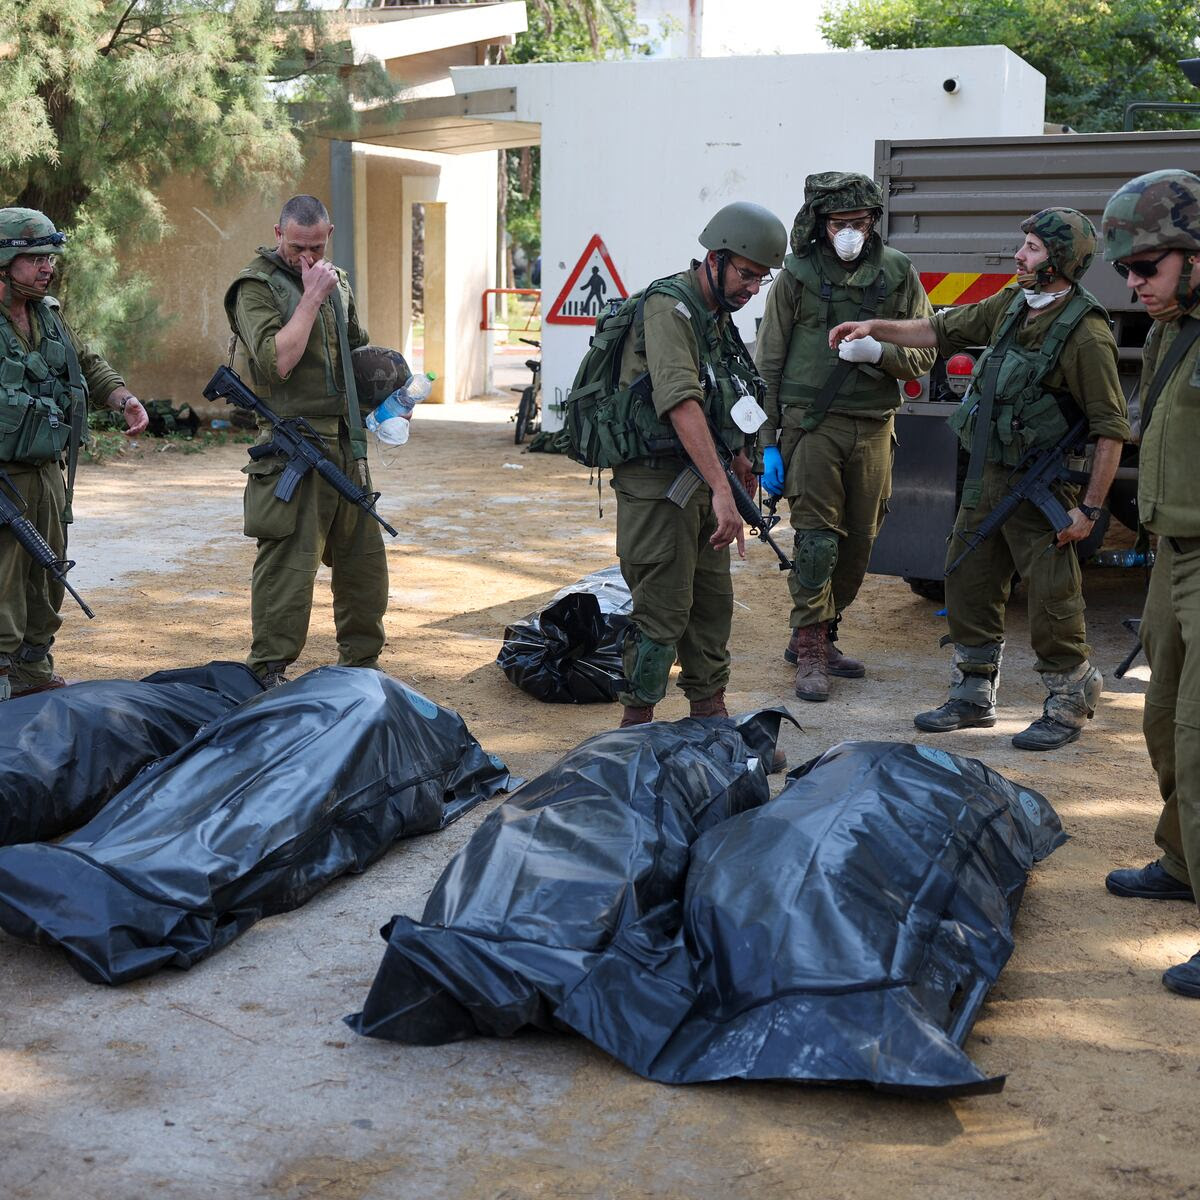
(30, 653)
(816, 552)
(647, 667)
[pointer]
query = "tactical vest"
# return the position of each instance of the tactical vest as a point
(1024, 414)
(39, 390)
(872, 289)
(615, 424)
(316, 387)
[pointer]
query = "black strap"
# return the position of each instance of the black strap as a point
(1189, 331)
(818, 409)
(78, 412)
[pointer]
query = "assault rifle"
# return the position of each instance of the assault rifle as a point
(1041, 470)
(689, 479)
(297, 441)
(32, 542)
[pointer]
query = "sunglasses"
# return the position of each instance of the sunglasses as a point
(1146, 268)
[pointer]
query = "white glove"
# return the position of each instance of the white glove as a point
(863, 349)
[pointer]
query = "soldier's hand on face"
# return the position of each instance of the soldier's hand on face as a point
(848, 331)
(318, 276)
(1081, 525)
(729, 523)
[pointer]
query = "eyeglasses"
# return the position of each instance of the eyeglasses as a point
(40, 260)
(858, 224)
(1146, 268)
(749, 277)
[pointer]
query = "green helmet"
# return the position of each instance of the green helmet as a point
(1158, 211)
(1070, 240)
(378, 372)
(832, 192)
(27, 231)
(747, 229)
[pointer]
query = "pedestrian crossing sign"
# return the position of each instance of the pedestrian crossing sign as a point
(590, 286)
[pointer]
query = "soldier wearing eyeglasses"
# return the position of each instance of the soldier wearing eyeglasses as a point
(828, 437)
(1152, 237)
(47, 377)
(1050, 360)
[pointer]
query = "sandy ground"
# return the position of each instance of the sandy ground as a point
(238, 1078)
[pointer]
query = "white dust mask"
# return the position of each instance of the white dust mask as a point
(848, 243)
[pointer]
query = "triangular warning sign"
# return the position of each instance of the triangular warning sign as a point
(588, 288)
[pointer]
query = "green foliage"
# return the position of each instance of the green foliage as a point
(102, 100)
(1097, 55)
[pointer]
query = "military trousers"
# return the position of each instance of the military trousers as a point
(1170, 632)
(838, 480)
(30, 597)
(977, 593)
(315, 526)
(681, 589)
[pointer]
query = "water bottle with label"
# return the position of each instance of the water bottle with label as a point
(390, 420)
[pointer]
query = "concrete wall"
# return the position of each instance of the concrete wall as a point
(643, 153)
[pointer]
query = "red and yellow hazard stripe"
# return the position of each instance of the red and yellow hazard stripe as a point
(961, 287)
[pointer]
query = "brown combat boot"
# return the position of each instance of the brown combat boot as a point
(636, 714)
(32, 689)
(812, 673)
(714, 706)
(839, 664)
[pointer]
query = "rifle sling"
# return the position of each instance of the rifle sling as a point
(358, 435)
(1189, 331)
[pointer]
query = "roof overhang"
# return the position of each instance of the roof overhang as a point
(466, 124)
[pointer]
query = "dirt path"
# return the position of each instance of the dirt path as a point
(238, 1078)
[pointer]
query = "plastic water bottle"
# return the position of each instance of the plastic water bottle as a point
(1124, 558)
(390, 420)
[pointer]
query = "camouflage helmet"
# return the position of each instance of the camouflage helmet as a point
(27, 231)
(378, 372)
(747, 229)
(832, 192)
(1158, 211)
(1069, 237)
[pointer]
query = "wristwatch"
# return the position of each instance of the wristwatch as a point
(1090, 511)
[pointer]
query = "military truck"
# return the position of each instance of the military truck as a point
(955, 208)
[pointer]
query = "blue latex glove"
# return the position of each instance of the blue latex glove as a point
(772, 479)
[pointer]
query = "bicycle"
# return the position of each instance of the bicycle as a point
(528, 414)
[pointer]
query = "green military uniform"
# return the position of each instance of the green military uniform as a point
(1085, 375)
(317, 525)
(35, 388)
(682, 593)
(832, 421)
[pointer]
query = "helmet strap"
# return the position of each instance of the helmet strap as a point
(717, 286)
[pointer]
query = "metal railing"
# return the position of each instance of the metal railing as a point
(534, 314)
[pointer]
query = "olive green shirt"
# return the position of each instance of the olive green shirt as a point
(668, 348)
(1168, 481)
(783, 313)
(100, 378)
(1086, 368)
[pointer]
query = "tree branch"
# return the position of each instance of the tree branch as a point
(124, 17)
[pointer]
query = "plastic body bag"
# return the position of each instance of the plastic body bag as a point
(65, 753)
(267, 805)
(570, 651)
(845, 932)
(551, 877)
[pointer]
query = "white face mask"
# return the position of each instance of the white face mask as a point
(748, 414)
(1039, 299)
(848, 243)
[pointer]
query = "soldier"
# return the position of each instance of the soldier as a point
(676, 558)
(1152, 237)
(294, 314)
(48, 375)
(828, 437)
(1050, 358)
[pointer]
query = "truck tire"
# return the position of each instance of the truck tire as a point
(928, 589)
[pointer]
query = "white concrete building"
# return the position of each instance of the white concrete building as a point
(641, 153)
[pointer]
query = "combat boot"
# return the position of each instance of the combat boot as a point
(1069, 706)
(32, 689)
(972, 699)
(836, 662)
(812, 675)
(274, 675)
(714, 706)
(636, 714)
